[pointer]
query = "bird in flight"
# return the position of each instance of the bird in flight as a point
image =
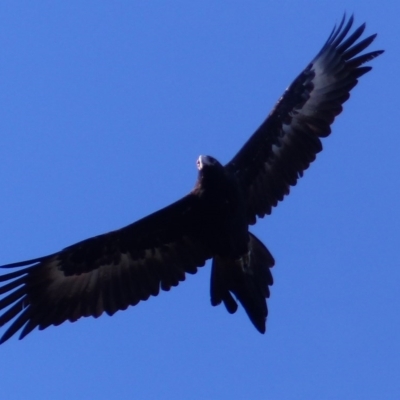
(113, 271)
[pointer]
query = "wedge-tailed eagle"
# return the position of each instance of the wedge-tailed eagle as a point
(119, 269)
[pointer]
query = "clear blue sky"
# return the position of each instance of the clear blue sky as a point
(105, 107)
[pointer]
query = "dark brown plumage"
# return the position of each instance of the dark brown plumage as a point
(110, 272)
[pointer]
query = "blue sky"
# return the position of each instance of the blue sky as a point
(105, 107)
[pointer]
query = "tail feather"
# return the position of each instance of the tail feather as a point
(248, 280)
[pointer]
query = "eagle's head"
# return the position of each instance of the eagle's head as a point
(211, 172)
(207, 162)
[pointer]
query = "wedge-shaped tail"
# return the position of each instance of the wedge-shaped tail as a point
(248, 279)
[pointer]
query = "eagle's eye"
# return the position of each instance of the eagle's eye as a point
(199, 163)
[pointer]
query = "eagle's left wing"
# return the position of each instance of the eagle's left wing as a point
(287, 142)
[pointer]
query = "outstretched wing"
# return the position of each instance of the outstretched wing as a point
(287, 142)
(105, 273)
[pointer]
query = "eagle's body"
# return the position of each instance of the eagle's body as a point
(223, 209)
(112, 271)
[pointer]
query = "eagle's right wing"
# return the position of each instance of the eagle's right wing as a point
(105, 273)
